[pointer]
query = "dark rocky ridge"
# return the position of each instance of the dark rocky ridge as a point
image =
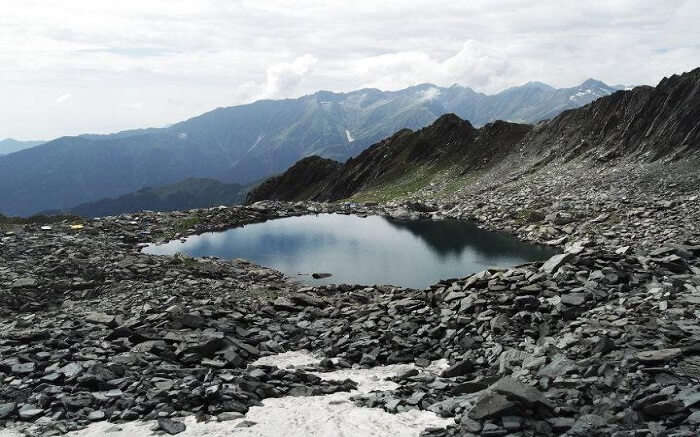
(305, 179)
(448, 142)
(647, 123)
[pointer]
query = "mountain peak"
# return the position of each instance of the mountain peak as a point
(590, 83)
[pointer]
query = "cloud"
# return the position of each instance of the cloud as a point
(284, 78)
(179, 58)
(63, 98)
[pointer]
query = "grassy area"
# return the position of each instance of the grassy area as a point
(407, 184)
(187, 223)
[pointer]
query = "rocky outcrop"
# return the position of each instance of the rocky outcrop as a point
(645, 122)
(447, 142)
(305, 179)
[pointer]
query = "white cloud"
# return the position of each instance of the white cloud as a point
(284, 78)
(178, 58)
(63, 97)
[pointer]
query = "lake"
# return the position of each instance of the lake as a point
(363, 250)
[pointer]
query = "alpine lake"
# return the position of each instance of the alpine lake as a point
(370, 250)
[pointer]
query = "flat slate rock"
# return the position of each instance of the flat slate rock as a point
(170, 426)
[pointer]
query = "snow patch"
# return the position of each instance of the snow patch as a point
(313, 416)
(182, 135)
(350, 137)
(260, 137)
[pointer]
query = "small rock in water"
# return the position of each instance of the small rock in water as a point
(321, 275)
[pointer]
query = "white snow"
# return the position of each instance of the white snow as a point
(350, 138)
(313, 416)
(182, 135)
(260, 137)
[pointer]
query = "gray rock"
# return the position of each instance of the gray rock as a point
(515, 390)
(100, 318)
(30, 412)
(321, 275)
(23, 368)
(491, 404)
(552, 264)
(7, 409)
(24, 283)
(661, 355)
(573, 299)
(96, 416)
(229, 415)
(170, 426)
(460, 368)
(693, 419)
(586, 424)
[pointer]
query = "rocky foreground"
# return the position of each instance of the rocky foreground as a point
(602, 339)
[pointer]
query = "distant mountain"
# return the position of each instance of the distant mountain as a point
(187, 194)
(244, 143)
(645, 124)
(10, 145)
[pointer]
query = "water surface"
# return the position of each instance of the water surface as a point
(357, 250)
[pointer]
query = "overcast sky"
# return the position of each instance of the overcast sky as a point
(69, 67)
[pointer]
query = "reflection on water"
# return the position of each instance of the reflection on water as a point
(372, 250)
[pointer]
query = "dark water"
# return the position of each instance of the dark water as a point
(356, 250)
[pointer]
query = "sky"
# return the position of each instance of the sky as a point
(96, 66)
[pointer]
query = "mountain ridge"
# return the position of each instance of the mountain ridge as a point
(646, 123)
(245, 143)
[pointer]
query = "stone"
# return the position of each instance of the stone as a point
(24, 283)
(101, 319)
(661, 355)
(459, 368)
(515, 390)
(573, 299)
(469, 425)
(30, 412)
(170, 426)
(96, 416)
(491, 405)
(229, 415)
(552, 264)
(586, 424)
(511, 423)
(71, 370)
(23, 368)
(7, 409)
(663, 408)
(694, 418)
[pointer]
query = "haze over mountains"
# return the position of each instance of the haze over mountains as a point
(242, 144)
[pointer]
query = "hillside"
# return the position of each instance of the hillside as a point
(9, 145)
(184, 195)
(645, 123)
(242, 144)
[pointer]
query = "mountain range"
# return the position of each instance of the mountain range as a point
(645, 123)
(242, 144)
(187, 194)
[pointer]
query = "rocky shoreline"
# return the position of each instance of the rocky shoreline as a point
(602, 339)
